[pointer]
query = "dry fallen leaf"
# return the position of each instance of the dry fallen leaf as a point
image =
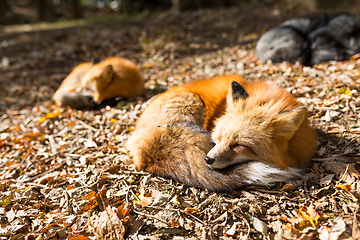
(310, 214)
(145, 199)
(333, 232)
(232, 230)
(90, 144)
(107, 225)
(327, 179)
(260, 226)
(344, 171)
(102, 200)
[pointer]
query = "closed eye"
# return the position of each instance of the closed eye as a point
(240, 148)
(88, 89)
(233, 146)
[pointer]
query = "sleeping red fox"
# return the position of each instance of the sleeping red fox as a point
(90, 84)
(259, 134)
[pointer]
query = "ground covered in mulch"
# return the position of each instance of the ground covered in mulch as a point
(65, 174)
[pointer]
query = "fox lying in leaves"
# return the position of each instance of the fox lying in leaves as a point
(90, 84)
(259, 134)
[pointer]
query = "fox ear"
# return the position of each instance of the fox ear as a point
(237, 91)
(106, 75)
(288, 122)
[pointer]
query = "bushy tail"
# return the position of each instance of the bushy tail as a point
(178, 151)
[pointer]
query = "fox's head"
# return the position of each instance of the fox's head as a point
(95, 80)
(256, 126)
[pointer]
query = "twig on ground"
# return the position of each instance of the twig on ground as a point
(41, 174)
(87, 126)
(343, 176)
(150, 216)
(179, 211)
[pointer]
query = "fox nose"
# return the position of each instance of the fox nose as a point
(209, 160)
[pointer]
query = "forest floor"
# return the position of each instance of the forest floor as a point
(65, 174)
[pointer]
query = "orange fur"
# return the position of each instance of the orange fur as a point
(259, 136)
(88, 84)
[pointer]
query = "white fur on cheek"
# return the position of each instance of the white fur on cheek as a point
(264, 174)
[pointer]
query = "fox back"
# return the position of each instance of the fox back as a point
(223, 133)
(113, 77)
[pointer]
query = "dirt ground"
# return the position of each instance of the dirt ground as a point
(65, 174)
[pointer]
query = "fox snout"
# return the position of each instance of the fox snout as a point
(222, 156)
(219, 157)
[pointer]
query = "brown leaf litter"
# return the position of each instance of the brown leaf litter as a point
(64, 173)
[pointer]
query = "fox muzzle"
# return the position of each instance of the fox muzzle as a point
(209, 160)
